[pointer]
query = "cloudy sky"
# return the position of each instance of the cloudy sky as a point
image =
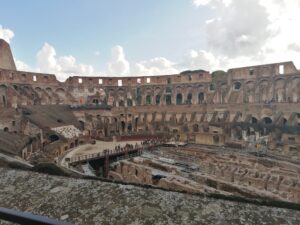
(143, 37)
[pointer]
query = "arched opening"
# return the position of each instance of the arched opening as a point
(81, 124)
(123, 126)
(148, 100)
(212, 87)
(157, 99)
(129, 102)
(129, 127)
(178, 99)
(136, 123)
(253, 120)
(121, 103)
(72, 145)
(53, 138)
(189, 98)
(236, 133)
(5, 129)
(196, 128)
(96, 101)
(267, 120)
(237, 86)
(201, 98)
(157, 128)
(216, 139)
(168, 100)
(4, 100)
(284, 121)
(139, 100)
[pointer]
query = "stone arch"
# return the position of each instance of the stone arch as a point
(6, 129)
(189, 98)
(139, 100)
(148, 99)
(237, 86)
(212, 87)
(267, 120)
(49, 89)
(121, 103)
(178, 89)
(201, 98)
(236, 133)
(123, 126)
(195, 128)
(129, 102)
(38, 89)
(262, 91)
(284, 121)
(223, 92)
(82, 124)
(53, 137)
(129, 127)
(61, 94)
(157, 99)
(293, 90)
(157, 90)
(179, 99)
(3, 100)
(249, 92)
(253, 120)
(168, 99)
(279, 95)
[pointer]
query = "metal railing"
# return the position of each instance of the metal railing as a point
(108, 152)
(102, 155)
(26, 218)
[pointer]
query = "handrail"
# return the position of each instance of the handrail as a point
(77, 159)
(27, 218)
(101, 154)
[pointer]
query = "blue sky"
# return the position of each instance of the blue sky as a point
(144, 28)
(127, 37)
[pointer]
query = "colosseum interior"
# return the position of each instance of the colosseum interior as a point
(229, 133)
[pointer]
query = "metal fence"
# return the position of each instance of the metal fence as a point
(26, 218)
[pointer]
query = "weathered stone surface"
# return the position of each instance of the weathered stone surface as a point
(94, 202)
(6, 57)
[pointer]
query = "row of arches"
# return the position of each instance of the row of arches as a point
(168, 100)
(280, 90)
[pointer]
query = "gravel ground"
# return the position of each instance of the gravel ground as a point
(94, 202)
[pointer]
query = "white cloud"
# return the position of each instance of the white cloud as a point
(198, 3)
(155, 66)
(294, 47)
(46, 59)
(6, 34)
(238, 33)
(68, 65)
(241, 29)
(199, 60)
(63, 66)
(212, 3)
(22, 66)
(118, 64)
(251, 32)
